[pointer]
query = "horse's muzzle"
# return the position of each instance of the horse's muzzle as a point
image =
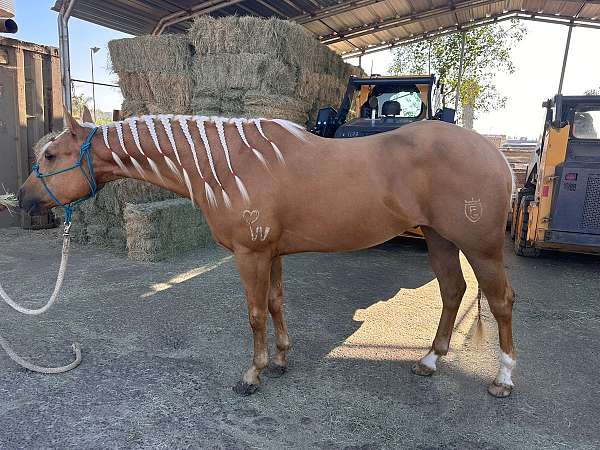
(29, 204)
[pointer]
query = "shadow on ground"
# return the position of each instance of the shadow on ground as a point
(164, 343)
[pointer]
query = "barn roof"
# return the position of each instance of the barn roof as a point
(350, 27)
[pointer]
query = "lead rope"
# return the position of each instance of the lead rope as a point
(34, 312)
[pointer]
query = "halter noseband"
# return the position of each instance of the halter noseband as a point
(84, 153)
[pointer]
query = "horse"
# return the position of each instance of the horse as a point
(269, 188)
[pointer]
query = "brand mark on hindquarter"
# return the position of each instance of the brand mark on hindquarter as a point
(473, 210)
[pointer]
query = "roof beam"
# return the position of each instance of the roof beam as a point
(197, 10)
(374, 27)
(329, 11)
(518, 14)
(271, 8)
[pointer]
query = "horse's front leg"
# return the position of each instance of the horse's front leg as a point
(255, 270)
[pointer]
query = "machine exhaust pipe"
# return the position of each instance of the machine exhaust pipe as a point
(8, 26)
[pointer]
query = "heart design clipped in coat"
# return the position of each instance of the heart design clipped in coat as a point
(251, 216)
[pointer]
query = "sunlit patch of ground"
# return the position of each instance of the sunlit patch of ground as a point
(403, 327)
(183, 277)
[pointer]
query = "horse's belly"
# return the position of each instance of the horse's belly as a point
(337, 233)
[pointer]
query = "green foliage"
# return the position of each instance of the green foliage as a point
(487, 52)
(80, 101)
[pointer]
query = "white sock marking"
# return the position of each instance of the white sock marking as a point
(507, 365)
(430, 360)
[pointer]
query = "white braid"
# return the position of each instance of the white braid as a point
(221, 131)
(105, 135)
(204, 137)
(210, 195)
(239, 123)
(152, 129)
(166, 122)
(136, 138)
(119, 128)
(240, 184)
(275, 148)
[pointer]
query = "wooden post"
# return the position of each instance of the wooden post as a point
(21, 119)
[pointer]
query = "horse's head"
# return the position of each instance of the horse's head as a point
(57, 179)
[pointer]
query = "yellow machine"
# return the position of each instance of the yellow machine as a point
(559, 206)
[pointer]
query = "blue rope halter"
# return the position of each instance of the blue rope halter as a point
(84, 154)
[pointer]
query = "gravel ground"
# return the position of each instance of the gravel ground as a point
(164, 343)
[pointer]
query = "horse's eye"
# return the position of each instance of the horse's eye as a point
(48, 156)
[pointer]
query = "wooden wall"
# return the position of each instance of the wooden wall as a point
(30, 106)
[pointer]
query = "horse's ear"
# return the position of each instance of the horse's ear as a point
(70, 123)
(86, 117)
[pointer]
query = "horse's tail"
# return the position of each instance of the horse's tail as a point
(479, 331)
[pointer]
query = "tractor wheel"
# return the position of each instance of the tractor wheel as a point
(521, 225)
(514, 215)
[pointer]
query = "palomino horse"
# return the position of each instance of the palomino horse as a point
(268, 188)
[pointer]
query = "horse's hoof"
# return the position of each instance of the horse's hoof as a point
(499, 390)
(422, 370)
(274, 370)
(245, 389)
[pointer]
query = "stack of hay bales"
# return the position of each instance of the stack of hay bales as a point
(233, 66)
(252, 67)
(101, 221)
(154, 74)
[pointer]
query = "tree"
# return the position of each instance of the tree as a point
(487, 52)
(79, 101)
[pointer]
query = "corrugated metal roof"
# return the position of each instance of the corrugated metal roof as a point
(349, 27)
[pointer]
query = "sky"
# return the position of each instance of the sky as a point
(537, 60)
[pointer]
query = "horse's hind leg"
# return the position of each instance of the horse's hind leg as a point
(489, 270)
(444, 259)
(278, 365)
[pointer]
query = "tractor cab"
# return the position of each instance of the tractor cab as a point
(378, 104)
(559, 206)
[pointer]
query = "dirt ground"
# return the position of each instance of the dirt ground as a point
(164, 343)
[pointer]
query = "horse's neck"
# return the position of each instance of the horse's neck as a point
(135, 146)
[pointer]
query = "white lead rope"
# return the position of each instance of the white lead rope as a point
(34, 312)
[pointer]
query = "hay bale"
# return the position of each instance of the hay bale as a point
(131, 108)
(158, 230)
(282, 40)
(167, 53)
(212, 74)
(257, 104)
(171, 92)
(99, 221)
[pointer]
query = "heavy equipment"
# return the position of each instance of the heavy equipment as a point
(382, 103)
(559, 206)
